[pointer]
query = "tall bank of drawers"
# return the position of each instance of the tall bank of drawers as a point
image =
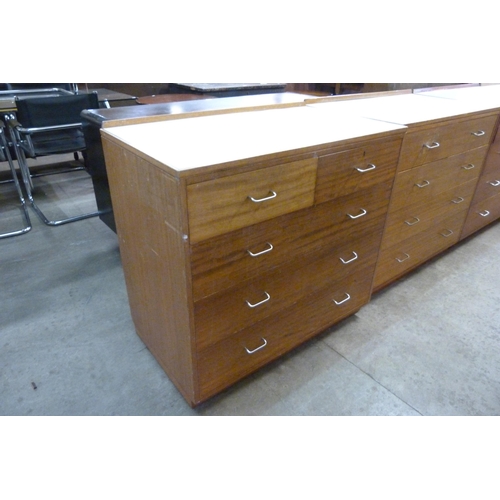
(485, 206)
(263, 255)
(436, 180)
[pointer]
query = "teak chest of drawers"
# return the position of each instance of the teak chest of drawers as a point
(433, 189)
(233, 258)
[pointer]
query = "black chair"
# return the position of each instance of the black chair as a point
(6, 156)
(49, 126)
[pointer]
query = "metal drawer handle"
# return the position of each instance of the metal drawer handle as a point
(259, 200)
(402, 260)
(448, 233)
(363, 212)
(484, 214)
(424, 184)
(458, 200)
(257, 348)
(350, 260)
(479, 133)
(494, 183)
(415, 221)
(259, 303)
(470, 166)
(371, 166)
(347, 297)
(261, 253)
(432, 145)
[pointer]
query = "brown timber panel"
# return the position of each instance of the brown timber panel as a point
(153, 254)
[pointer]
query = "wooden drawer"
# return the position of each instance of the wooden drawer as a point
(431, 144)
(487, 186)
(343, 173)
(229, 360)
(395, 261)
(227, 203)
(409, 221)
(221, 262)
(426, 181)
(223, 314)
(481, 214)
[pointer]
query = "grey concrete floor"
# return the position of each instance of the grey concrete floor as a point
(427, 345)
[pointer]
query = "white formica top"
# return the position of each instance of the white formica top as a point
(487, 96)
(190, 143)
(407, 109)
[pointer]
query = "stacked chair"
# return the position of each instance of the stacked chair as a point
(5, 156)
(49, 126)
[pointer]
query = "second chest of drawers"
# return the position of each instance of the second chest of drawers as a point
(434, 186)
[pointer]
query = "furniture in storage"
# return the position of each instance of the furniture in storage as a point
(441, 158)
(243, 235)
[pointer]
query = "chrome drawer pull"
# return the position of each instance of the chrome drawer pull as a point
(258, 348)
(432, 145)
(342, 301)
(371, 166)
(448, 233)
(261, 253)
(416, 221)
(259, 303)
(494, 183)
(470, 166)
(424, 184)
(259, 200)
(402, 260)
(479, 133)
(458, 200)
(484, 214)
(363, 212)
(351, 260)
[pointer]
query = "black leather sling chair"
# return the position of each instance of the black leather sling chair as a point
(49, 126)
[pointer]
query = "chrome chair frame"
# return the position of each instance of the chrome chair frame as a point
(6, 156)
(22, 141)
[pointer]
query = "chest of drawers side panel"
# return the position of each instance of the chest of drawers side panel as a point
(149, 212)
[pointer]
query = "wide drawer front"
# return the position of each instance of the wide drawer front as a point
(481, 214)
(343, 173)
(227, 361)
(411, 252)
(431, 144)
(221, 315)
(222, 205)
(415, 219)
(426, 181)
(226, 260)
